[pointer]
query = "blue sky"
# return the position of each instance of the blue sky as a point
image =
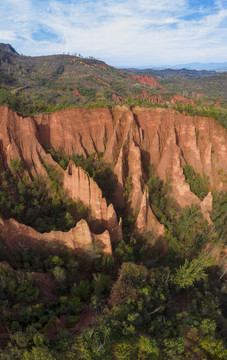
(122, 33)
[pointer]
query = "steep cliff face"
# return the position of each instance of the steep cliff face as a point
(168, 138)
(80, 186)
(78, 130)
(147, 80)
(165, 138)
(160, 133)
(18, 139)
(130, 140)
(172, 140)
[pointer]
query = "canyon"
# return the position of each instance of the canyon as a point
(130, 139)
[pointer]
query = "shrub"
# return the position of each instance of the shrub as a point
(198, 185)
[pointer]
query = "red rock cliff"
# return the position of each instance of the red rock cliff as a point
(147, 80)
(165, 138)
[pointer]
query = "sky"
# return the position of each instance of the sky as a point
(121, 33)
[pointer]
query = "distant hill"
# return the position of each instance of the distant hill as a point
(172, 73)
(191, 66)
(66, 80)
(203, 66)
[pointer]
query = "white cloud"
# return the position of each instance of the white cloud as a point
(136, 32)
(7, 35)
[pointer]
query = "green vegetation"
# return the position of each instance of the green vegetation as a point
(163, 206)
(142, 303)
(198, 185)
(34, 204)
(99, 170)
(208, 88)
(93, 164)
(16, 286)
(218, 113)
(186, 230)
(219, 215)
(45, 84)
(61, 158)
(191, 272)
(141, 312)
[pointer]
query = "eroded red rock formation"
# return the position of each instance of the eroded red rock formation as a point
(152, 98)
(117, 98)
(76, 92)
(161, 99)
(80, 237)
(128, 139)
(177, 98)
(80, 186)
(103, 82)
(147, 80)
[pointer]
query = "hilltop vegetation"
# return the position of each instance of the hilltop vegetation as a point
(48, 83)
(204, 85)
(62, 80)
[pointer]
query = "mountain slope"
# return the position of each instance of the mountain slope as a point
(47, 83)
(63, 80)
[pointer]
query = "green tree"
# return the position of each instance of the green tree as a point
(125, 351)
(198, 185)
(148, 349)
(59, 274)
(38, 353)
(192, 271)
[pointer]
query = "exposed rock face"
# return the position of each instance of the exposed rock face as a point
(129, 139)
(79, 237)
(159, 98)
(18, 139)
(146, 221)
(152, 98)
(8, 47)
(76, 92)
(104, 241)
(80, 186)
(181, 99)
(76, 130)
(206, 207)
(103, 82)
(172, 139)
(147, 80)
(117, 98)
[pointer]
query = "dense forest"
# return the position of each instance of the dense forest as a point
(141, 303)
